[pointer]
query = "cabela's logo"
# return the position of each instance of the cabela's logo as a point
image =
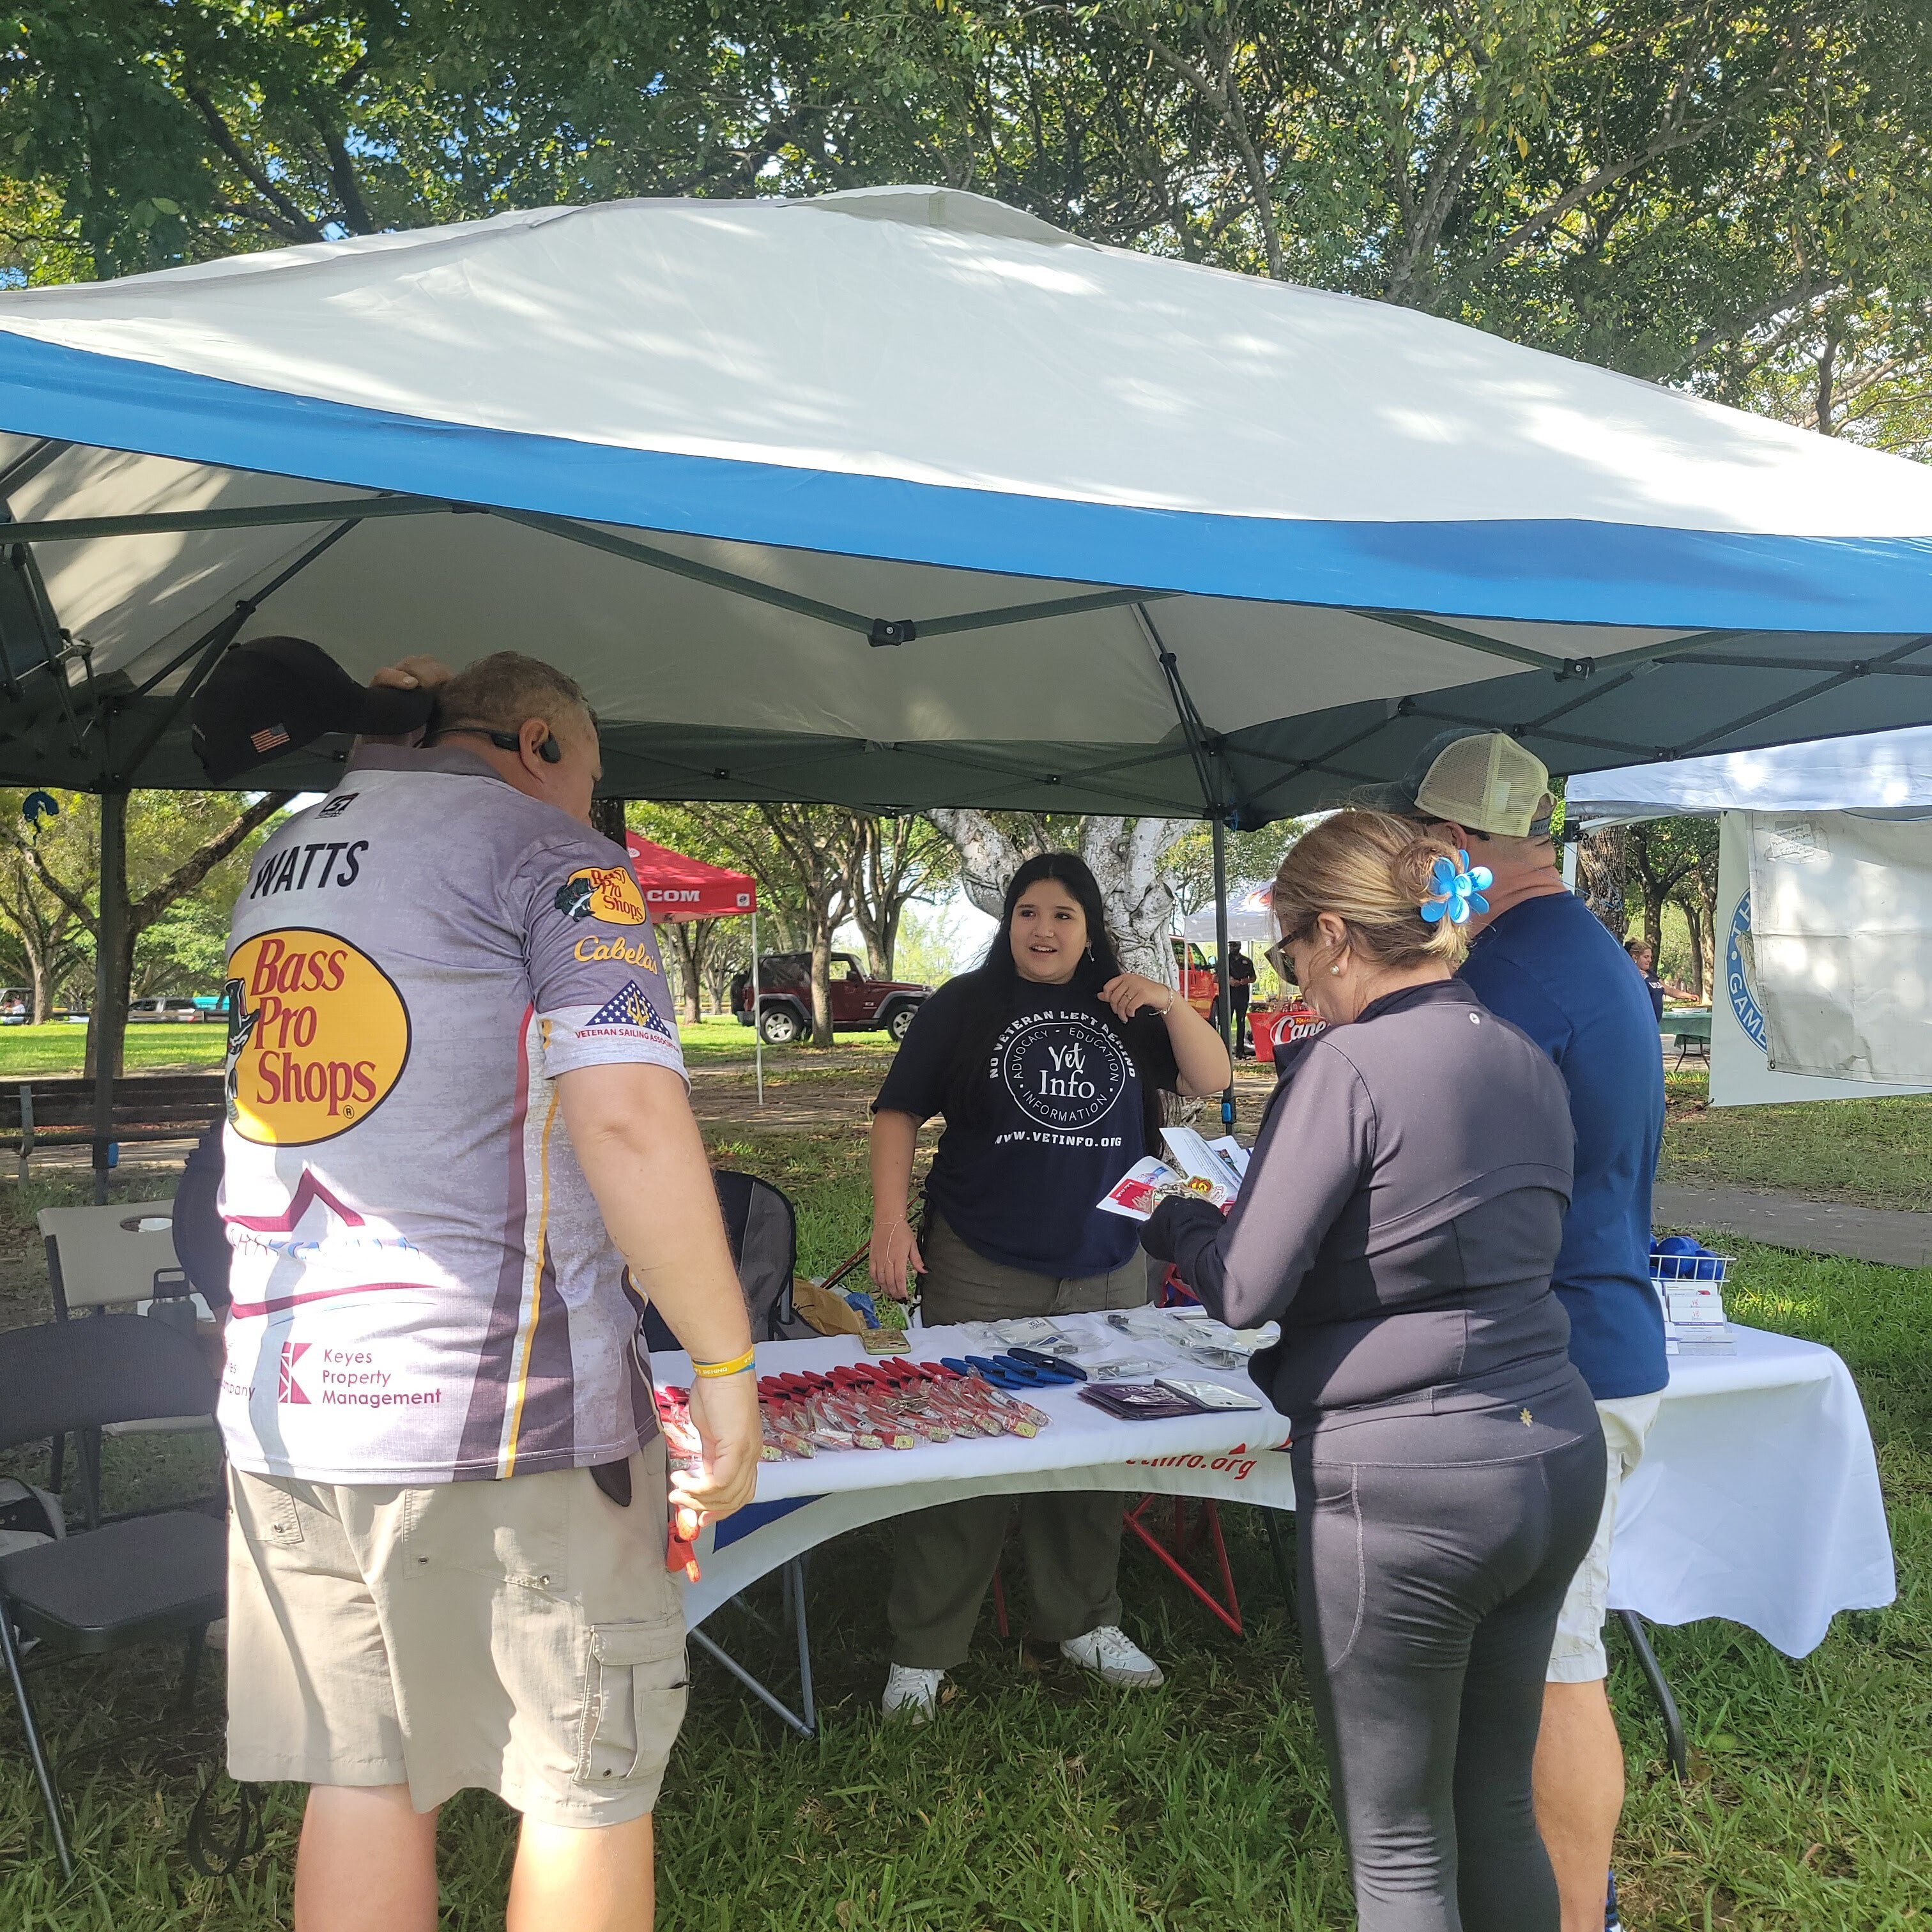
(1741, 974)
(318, 1036)
(1062, 1071)
(608, 892)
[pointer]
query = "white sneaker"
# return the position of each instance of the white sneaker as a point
(914, 1692)
(1114, 1656)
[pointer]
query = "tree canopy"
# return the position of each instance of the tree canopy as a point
(1729, 196)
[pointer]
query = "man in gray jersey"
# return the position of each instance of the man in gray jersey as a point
(459, 1160)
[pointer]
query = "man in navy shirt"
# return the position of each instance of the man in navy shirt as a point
(1540, 959)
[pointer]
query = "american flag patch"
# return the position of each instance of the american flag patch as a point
(631, 1007)
(268, 737)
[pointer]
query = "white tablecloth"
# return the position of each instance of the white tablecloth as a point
(1758, 1499)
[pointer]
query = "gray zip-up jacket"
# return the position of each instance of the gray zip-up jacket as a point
(1402, 1211)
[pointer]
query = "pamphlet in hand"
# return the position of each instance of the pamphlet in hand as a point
(1141, 1189)
(1209, 1171)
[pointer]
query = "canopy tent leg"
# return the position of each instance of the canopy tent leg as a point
(1223, 1002)
(758, 1016)
(108, 941)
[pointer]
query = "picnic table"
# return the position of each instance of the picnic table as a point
(1690, 1028)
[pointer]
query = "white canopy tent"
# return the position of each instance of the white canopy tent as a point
(1824, 881)
(903, 497)
(1249, 916)
(1886, 771)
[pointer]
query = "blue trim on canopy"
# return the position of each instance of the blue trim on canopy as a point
(1555, 571)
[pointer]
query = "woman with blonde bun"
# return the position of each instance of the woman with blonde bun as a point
(1403, 1211)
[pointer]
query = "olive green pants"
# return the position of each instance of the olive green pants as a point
(943, 1558)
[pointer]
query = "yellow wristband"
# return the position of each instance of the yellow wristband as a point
(736, 1366)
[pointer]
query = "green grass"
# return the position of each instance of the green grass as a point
(1877, 1154)
(1042, 1803)
(28, 1052)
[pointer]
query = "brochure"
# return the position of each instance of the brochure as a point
(1211, 1173)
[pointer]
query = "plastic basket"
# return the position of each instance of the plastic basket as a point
(1686, 1270)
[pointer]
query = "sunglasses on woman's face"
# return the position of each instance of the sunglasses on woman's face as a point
(1278, 957)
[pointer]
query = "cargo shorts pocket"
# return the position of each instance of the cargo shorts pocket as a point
(266, 1511)
(634, 1698)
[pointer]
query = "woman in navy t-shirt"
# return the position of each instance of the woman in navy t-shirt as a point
(1046, 1062)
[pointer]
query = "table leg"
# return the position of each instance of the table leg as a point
(1660, 1689)
(1284, 1558)
(792, 1584)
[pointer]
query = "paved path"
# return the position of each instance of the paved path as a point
(1885, 1234)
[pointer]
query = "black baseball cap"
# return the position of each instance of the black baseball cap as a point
(273, 695)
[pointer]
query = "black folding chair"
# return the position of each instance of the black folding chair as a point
(128, 1582)
(762, 1227)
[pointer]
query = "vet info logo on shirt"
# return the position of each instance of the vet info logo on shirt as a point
(1062, 1071)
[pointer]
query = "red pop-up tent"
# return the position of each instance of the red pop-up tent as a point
(675, 887)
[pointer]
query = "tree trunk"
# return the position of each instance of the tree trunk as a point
(692, 939)
(607, 816)
(1693, 923)
(821, 977)
(46, 967)
(1122, 853)
(1600, 872)
(987, 856)
(115, 933)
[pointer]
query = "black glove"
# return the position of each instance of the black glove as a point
(1170, 1222)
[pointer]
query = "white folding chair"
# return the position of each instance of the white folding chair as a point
(111, 1260)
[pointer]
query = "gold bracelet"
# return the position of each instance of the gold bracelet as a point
(736, 1366)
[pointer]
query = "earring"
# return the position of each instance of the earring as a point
(1336, 968)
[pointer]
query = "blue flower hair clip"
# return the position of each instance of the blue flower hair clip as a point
(1458, 890)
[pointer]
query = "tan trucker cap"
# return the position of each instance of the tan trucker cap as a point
(1483, 780)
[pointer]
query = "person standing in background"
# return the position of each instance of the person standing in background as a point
(1240, 990)
(1644, 960)
(1539, 959)
(1047, 1062)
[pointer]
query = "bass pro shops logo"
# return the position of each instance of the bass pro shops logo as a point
(605, 892)
(318, 1037)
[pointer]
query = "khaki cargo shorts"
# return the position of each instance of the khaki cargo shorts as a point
(1578, 1656)
(520, 1637)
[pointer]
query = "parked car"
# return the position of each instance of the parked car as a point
(16, 1006)
(173, 1011)
(1194, 971)
(858, 1005)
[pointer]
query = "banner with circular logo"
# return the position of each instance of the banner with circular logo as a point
(318, 1037)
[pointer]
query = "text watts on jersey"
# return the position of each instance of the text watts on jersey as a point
(296, 868)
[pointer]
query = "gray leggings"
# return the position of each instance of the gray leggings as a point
(1429, 1594)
